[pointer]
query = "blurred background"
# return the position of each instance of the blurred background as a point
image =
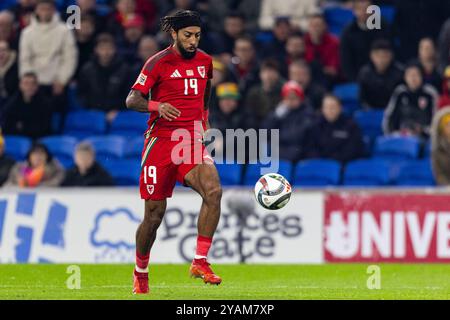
(361, 100)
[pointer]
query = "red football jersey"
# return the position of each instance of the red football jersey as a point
(168, 77)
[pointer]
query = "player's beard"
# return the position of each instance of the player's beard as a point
(184, 53)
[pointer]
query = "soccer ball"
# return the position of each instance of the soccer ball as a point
(273, 191)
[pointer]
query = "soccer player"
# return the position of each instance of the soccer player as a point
(174, 86)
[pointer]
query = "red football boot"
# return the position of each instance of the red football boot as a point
(200, 269)
(140, 282)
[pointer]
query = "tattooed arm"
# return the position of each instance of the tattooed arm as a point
(136, 101)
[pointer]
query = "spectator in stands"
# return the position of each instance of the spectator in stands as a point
(414, 20)
(128, 43)
(47, 48)
(219, 76)
(39, 169)
(292, 117)
(28, 112)
(298, 11)
(219, 72)
(440, 146)
(89, 8)
(444, 46)
(427, 59)
(411, 106)
(276, 48)
(23, 10)
(263, 98)
(104, 81)
(250, 9)
(124, 9)
(6, 163)
(295, 50)
(85, 38)
(334, 136)
(7, 31)
(8, 74)
(213, 13)
(378, 79)
(228, 115)
(322, 48)
(233, 28)
(244, 68)
(444, 99)
(148, 46)
(87, 172)
(300, 72)
(357, 39)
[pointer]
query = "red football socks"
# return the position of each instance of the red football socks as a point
(142, 262)
(203, 245)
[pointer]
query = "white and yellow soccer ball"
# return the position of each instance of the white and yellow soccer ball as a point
(273, 191)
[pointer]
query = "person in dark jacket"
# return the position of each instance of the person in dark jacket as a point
(28, 112)
(264, 97)
(9, 78)
(414, 20)
(293, 118)
(226, 115)
(86, 172)
(378, 79)
(244, 68)
(411, 106)
(104, 81)
(334, 136)
(300, 72)
(6, 163)
(357, 39)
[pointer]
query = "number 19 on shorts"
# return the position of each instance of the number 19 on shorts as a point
(150, 173)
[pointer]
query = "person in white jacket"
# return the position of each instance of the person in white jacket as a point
(47, 48)
(297, 10)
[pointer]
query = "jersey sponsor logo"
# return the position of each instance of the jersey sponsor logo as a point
(176, 74)
(189, 73)
(141, 79)
(201, 71)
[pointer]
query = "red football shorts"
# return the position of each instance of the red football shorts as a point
(164, 162)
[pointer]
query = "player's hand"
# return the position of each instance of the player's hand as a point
(168, 111)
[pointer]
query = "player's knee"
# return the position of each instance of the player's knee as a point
(213, 194)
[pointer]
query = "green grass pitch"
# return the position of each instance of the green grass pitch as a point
(332, 281)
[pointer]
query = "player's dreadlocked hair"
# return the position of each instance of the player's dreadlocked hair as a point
(180, 19)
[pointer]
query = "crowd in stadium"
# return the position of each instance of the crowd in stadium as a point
(335, 87)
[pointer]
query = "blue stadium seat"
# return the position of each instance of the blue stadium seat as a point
(17, 146)
(416, 173)
(427, 150)
(397, 148)
(253, 172)
(230, 174)
(370, 122)
(6, 4)
(349, 95)
(125, 172)
(388, 13)
(107, 148)
(369, 172)
(62, 148)
(133, 147)
(317, 172)
(337, 18)
(129, 124)
(82, 124)
(74, 102)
